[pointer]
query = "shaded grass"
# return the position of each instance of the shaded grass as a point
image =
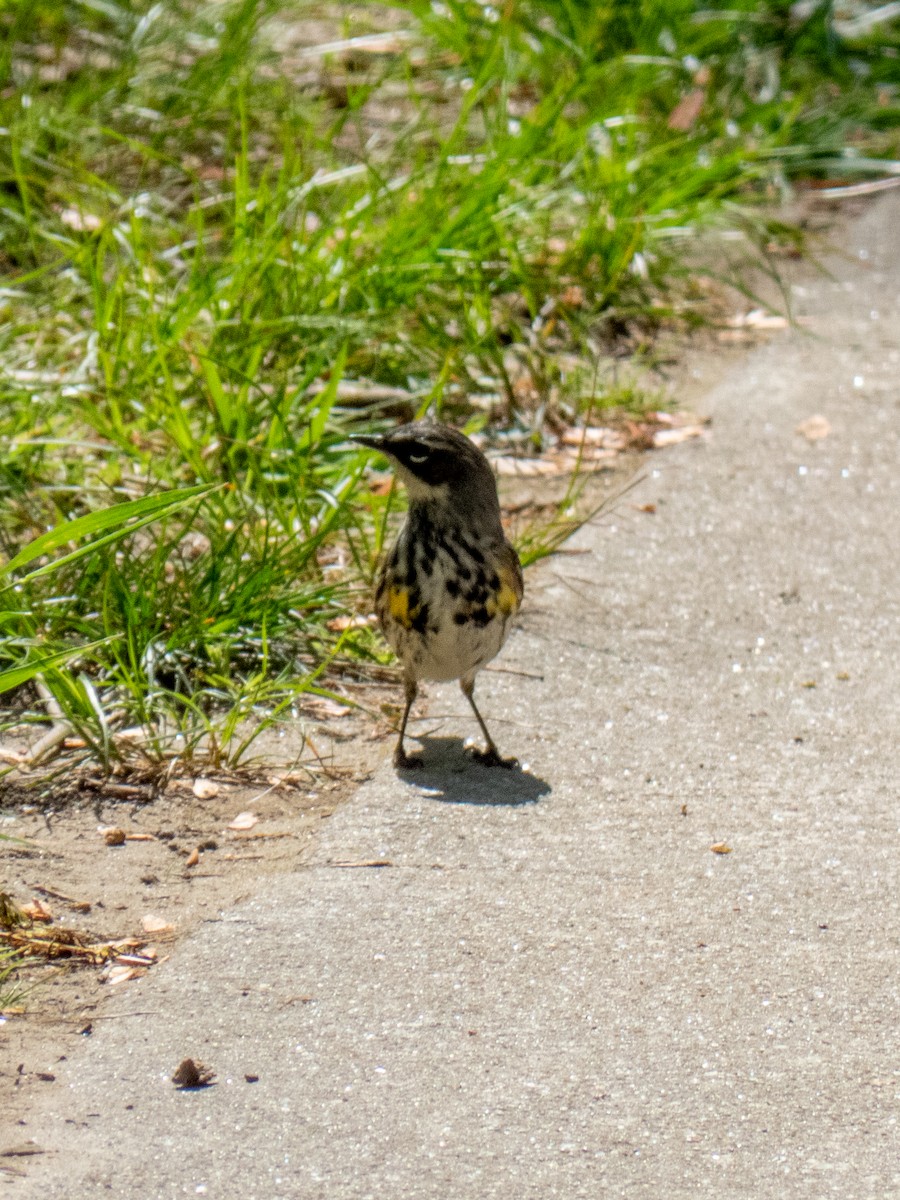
(12, 993)
(12, 990)
(226, 247)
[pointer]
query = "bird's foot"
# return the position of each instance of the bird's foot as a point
(407, 762)
(492, 758)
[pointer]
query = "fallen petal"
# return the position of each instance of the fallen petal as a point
(671, 437)
(153, 924)
(121, 973)
(243, 821)
(205, 789)
(814, 428)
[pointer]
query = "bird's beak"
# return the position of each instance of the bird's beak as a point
(373, 441)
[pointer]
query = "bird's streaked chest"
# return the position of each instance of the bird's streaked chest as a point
(445, 601)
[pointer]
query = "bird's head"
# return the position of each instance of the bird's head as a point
(439, 465)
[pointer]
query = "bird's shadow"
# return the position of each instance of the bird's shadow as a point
(451, 776)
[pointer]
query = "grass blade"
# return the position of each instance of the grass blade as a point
(119, 520)
(18, 675)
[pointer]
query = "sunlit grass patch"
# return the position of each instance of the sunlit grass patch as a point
(232, 233)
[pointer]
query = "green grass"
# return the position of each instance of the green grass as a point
(11, 992)
(224, 249)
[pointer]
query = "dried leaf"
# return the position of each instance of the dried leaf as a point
(671, 437)
(193, 858)
(340, 624)
(191, 1073)
(122, 972)
(364, 391)
(22, 1150)
(212, 173)
(321, 706)
(205, 789)
(527, 467)
(70, 943)
(685, 113)
(814, 428)
(153, 924)
(37, 912)
(81, 906)
(573, 296)
(243, 821)
(133, 735)
(720, 848)
(758, 318)
(120, 944)
(595, 435)
(361, 862)
(256, 837)
(291, 778)
(524, 388)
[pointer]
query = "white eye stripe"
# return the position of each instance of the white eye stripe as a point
(418, 458)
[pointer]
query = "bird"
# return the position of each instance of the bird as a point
(449, 588)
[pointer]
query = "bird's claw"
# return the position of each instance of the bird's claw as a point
(492, 758)
(407, 762)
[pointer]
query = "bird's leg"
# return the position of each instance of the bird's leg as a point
(490, 757)
(402, 760)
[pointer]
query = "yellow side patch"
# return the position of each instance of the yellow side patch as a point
(398, 603)
(510, 595)
(507, 599)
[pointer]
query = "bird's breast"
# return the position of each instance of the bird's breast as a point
(445, 604)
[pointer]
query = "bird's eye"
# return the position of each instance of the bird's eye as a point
(418, 458)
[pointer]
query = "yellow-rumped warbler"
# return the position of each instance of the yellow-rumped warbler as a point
(448, 590)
